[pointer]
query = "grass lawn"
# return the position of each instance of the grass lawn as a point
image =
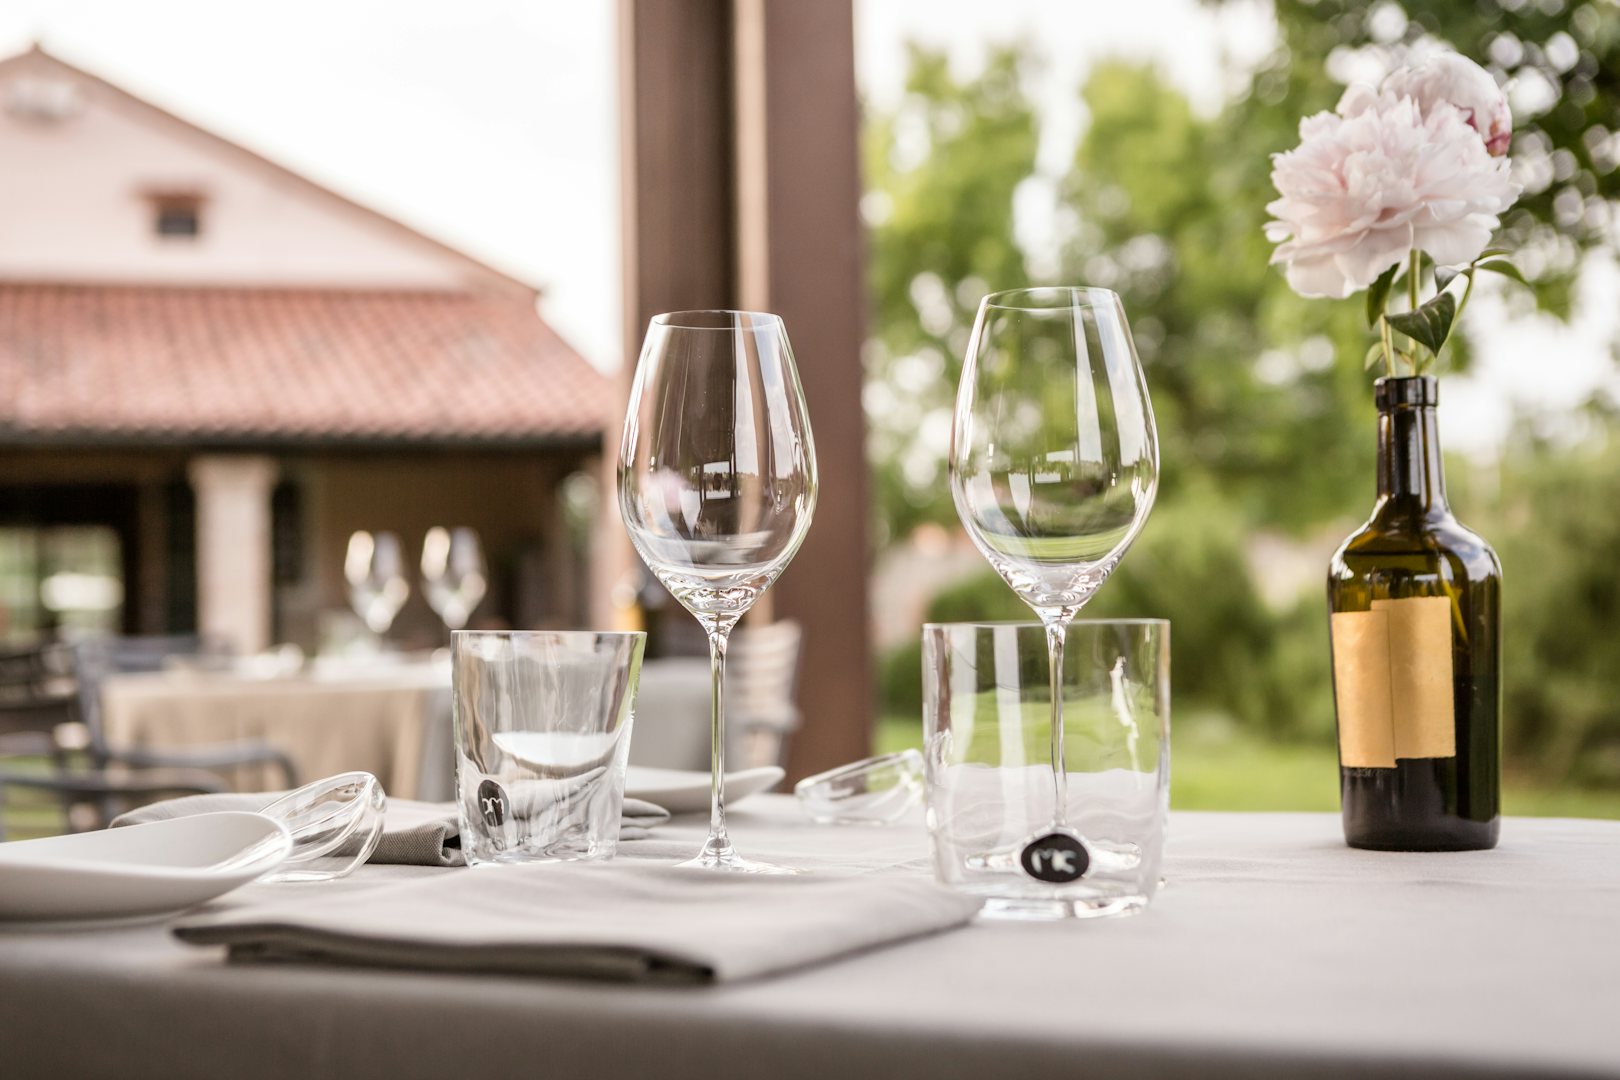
(29, 814)
(1217, 769)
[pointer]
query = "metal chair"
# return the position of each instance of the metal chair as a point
(672, 704)
(39, 697)
(99, 658)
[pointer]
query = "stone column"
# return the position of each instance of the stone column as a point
(233, 548)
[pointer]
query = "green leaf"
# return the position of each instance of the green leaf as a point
(1445, 275)
(1505, 268)
(1374, 355)
(1378, 294)
(1429, 324)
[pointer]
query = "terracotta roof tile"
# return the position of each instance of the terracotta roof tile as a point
(199, 364)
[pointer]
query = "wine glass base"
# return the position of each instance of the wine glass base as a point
(737, 864)
(1044, 910)
(724, 857)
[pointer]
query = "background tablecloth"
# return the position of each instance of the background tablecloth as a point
(394, 725)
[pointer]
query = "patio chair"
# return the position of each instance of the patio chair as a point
(672, 704)
(39, 697)
(98, 658)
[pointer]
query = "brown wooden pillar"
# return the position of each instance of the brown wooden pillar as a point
(741, 189)
(146, 591)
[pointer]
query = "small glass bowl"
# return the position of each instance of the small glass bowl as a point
(335, 825)
(875, 791)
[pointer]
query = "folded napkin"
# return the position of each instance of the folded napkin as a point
(414, 833)
(629, 922)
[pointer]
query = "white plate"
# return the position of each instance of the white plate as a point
(140, 870)
(681, 791)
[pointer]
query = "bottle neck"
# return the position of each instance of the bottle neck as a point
(1410, 470)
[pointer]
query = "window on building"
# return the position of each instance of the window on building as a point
(59, 579)
(177, 217)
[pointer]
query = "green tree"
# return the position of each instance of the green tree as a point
(1251, 383)
(1264, 410)
(941, 172)
(1556, 529)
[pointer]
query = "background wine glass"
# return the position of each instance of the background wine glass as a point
(375, 570)
(454, 576)
(1054, 457)
(717, 485)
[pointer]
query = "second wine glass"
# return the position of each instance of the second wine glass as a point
(717, 485)
(375, 571)
(1054, 459)
(454, 577)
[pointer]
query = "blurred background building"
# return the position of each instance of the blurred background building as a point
(213, 371)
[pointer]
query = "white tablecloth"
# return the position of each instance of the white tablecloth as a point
(1274, 952)
(393, 723)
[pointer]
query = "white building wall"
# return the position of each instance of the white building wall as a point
(76, 206)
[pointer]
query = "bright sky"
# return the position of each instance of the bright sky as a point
(493, 125)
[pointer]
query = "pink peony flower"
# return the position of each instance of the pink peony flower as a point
(1450, 79)
(1365, 188)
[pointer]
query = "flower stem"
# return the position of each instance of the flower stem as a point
(1389, 345)
(1414, 269)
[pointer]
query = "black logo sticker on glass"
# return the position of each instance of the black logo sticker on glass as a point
(491, 803)
(1056, 857)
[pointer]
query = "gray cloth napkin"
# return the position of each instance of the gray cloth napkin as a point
(629, 922)
(414, 833)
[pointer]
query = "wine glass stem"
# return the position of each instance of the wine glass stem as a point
(1060, 773)
(719, 842)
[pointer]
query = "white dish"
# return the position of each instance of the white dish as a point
(141, 870)
(681, 791)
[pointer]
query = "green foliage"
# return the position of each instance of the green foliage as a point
(1172, 210)
(1427, 324)
(1264, 411)
(942, 171)
(900, 680)
(1378, 294)
(1556, 530)
(1229, 653)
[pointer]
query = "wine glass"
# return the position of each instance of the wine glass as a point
(717, 484)
(1054, 459)
(375, 571)
(454, 577)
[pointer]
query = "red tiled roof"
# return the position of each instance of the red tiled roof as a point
(237, 365)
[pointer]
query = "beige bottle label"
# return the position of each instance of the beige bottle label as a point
(1392, 680)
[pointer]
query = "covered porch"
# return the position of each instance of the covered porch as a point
(181, 460)
(247, 547)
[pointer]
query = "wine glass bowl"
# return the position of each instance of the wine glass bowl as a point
(454, 577)
(1054, 456)
(717, 484)
(375, 570)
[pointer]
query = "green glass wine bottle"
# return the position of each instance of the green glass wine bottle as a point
(1415, 602)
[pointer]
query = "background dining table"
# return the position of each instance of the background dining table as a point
(389, 719)
(1273, 951)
